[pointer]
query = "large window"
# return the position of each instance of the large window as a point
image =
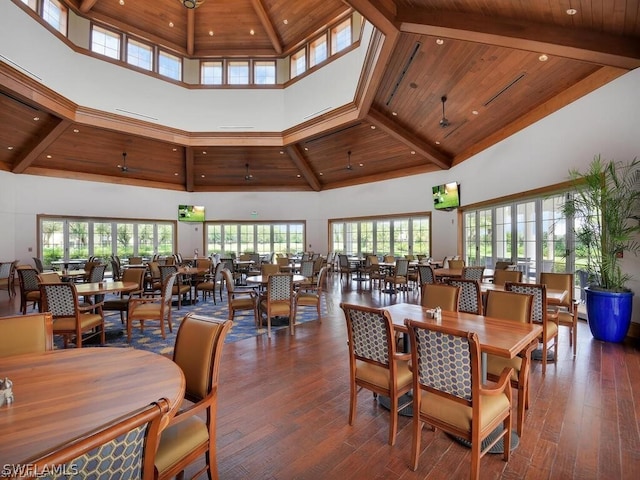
(341, 36)
(170, 66)
(531, 233)
(238, 72)
(399, 235)
(55, 14)
(298, 63)
(70, 238)
(318, 51)
(105, 42)
(211, 73)
(255, 237)
(264, 72)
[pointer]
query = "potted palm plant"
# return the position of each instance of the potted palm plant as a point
(606, 207)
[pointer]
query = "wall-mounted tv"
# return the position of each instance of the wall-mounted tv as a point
(190, 213)
(446, 196)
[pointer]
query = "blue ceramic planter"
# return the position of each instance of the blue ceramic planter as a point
(609, 314)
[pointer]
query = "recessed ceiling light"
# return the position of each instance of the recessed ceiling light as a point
(361, 164)
(285, 21)
(571, 11)
(252, 32)
(35, 119)
(395, 114)
(439, 41)
(48, 156)
(211, 33)
(10, 147)
(202, 176)
(306, 149)
(176, 174)
(373, 127)
(298, 175)
(413, 152)
(204, 152)
(171, 24)
(121, 2)
(474, 112)
(75, 130)
(175, 149)
(543, 58)
(321, 174)
(281, 152)
(437, 142)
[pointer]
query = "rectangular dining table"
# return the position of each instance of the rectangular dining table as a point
(61, 395)
(554, 296)
(500, 337)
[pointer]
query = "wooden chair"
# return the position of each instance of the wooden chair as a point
(198, 352)
(440, 295)
(277, 301)
(448, 392)
(541, 314)
(7, 275)
(135, 260)
(502, 265)
(500, 277)
(374, 363)
(345, 267)
(267, 269)
(470, 299)
(70, 319)
(126, 446)
(516, 307)
(31, 333)
(310, 296)
(209, 283)
(473, 273)
(29, 287)
(239, 299)
(567, 311)
(306, 270)
(152, 308)
(121, 303)
(373, 271)
(456, 264)
(49, 277)
(400, 275)
(154, 279)
(179, 289)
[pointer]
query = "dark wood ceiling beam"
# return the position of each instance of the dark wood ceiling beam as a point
(267, 25)
(189, 167)
(410, 139)
(600, 77)
(586, 46)
(33, 150)
(377, 14)
(297, 156)
(191, 30)
(92, 177)
(87, 5)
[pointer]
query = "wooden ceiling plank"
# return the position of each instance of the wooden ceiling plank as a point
(601, 77)
(297, 156)
(49, 135)
(189, 165)
(587, 46)
(410, 139)
(191, 31)
(267, 25)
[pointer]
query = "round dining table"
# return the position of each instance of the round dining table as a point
(264, 279)
(61, 395)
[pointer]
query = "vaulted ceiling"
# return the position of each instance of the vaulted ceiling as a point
(484, 56)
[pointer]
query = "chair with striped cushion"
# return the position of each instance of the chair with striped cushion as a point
(374, 363)
(448, 392)
(470, 299)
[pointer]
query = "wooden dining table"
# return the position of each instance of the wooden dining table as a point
(61, 395)
(500, 337)
(264, 279)
(102, 288)
(457, 273)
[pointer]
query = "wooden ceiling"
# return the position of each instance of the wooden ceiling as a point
(483, 55)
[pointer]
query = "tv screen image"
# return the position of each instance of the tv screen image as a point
(190, 213)
(446, 196)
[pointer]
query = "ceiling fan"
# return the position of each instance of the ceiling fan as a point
(444, 123)
(248, 177)
(123, 166)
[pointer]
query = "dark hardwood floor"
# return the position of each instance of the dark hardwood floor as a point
(284, 402)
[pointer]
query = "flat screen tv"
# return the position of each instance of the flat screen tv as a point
(446, 196)
(190, 213)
